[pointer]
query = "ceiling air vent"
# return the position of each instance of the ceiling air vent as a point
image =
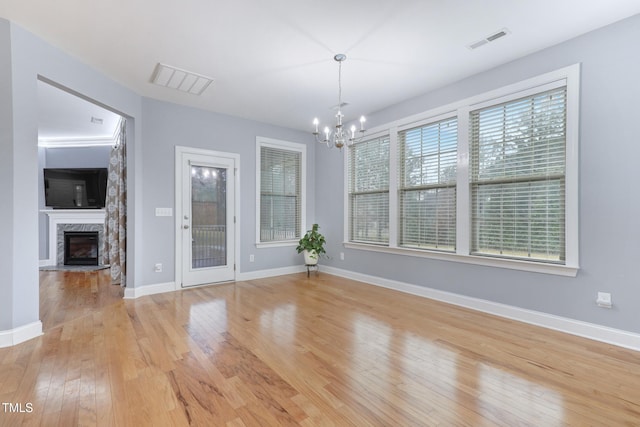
(182, 80)
(490, 38)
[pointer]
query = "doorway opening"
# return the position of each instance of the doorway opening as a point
(74, 133)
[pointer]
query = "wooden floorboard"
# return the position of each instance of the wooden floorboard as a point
(299, 351)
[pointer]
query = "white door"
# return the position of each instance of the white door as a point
(206, 219)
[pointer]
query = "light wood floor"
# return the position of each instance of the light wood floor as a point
(302, 351)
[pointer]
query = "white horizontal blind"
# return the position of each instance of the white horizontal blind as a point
(518, 178)
(369, 191)
(280, 194)
(427, 185)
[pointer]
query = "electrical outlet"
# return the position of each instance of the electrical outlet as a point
(252, 258)
(158, 268)
(341, 256)
(604, 300)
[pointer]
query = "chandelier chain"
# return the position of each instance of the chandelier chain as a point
(339, 86)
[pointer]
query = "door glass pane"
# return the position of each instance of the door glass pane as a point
(208, 216)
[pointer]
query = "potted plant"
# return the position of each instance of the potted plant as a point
(312, 245)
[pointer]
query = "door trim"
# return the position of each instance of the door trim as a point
(179, 152)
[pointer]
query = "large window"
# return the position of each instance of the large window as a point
(490, 180)
(518, 178)
(427, 185)
(281, 201)
(369, 191)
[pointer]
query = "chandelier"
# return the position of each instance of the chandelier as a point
(339, 137)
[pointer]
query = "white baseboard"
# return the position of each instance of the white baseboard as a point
(261, 274)
(592, 331)
(20, 334)
(46, 262)
(160, 288)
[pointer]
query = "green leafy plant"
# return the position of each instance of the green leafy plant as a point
(312, 241)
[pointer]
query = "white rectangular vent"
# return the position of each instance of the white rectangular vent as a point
(182, 80)
(490, 38)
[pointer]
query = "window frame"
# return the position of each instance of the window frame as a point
(286, 146)
(356, 193)
(479, 182)
(402, 188)
(567, 76)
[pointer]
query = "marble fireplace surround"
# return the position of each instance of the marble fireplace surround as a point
(61, 220)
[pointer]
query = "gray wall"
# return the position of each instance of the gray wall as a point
(167, 125)
(77, 157)
(609, 201)
(23, 225)
(6, 179)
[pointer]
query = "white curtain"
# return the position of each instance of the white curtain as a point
(115, 227)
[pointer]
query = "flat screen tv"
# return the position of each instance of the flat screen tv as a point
(79, 188)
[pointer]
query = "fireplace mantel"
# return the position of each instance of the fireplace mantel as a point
(67, 216)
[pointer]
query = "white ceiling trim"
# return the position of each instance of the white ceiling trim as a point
(75, 143)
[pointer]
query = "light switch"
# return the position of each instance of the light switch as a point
(164, 212)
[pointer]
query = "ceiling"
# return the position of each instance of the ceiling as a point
(65, 119)
(272, 61)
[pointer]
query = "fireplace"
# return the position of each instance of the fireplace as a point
(65, 220)
(81, 247)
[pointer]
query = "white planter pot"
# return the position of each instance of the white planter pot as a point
(310, 257)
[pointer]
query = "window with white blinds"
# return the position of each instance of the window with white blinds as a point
(281, 203)
(427, 185)
(518, 156)
(487, 180)
(368, 175)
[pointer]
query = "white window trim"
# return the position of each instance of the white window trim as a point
(378, 132)
(569, 76)
(283, 145)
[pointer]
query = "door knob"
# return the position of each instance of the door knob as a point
(185, 226)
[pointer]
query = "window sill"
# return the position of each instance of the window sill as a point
(511, 264)
(276, 244)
